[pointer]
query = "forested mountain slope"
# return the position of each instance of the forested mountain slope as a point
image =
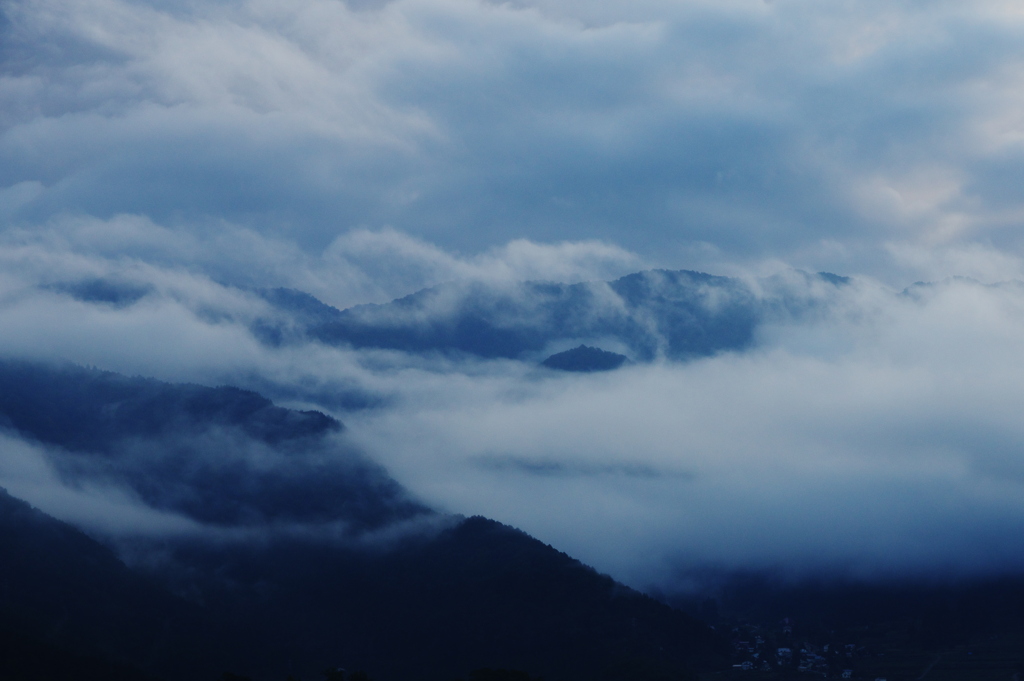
(302, 554)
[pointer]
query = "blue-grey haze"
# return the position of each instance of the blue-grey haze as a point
(166, 164)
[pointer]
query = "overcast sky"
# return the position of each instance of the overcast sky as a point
(864, 137)
(361, 150)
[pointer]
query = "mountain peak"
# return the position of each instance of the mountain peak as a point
(585, 358)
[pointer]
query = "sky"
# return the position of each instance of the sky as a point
(878, 138)
(361, 150)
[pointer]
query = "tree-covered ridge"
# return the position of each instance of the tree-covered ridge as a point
(585, 359)
(68, 601)
(88, 409)
(476, 595)
(421, 597)
(677, 314)
(217, 455)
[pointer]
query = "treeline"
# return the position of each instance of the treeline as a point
(484, 674)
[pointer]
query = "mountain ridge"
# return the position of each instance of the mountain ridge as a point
(427, 604)
(676, 314)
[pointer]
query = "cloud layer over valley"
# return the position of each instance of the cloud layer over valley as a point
(874, 434)
(881, 440)
(175, 176)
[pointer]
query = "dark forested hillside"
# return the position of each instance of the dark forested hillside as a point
(678, 314)
(303, 555)
(675, 314)
(67, 600)
(220, 455)
(84, 409)
(433, 607)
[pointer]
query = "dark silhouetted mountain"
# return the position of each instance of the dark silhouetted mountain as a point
(432, 607)
(220, 455)
(942, 610)
(585, 358)
(25, 658)
(674, 314)
(677, 315)
(488, 674)
(109, 291)
(65, 599)
(303, 310)
(413, 595)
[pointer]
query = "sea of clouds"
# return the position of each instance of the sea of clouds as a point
(879, 437)
(361, 150)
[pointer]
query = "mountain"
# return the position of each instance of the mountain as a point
(672, 314)
(585, 358)
(68, 601)
(25, 658)
(216, 455)
(656, 313)
(433, 607)
(303, 555)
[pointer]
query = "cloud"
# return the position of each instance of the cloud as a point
(818, 134)
(192, 152)
(27, 473)
(405, 264)
(882, 439)
(518, 464)
(115, 512)
(875, 435)
(359, 267)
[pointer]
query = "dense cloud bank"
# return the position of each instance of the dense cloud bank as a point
(875, 433)
(875, 137)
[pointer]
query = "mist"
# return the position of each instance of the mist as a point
(885, 442)
(163, 165)
(873, 438)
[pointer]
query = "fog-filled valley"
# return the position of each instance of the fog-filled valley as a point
(804, 427)
(435, 340)
(800, 428)
(745, 404)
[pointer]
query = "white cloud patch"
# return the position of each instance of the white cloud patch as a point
(386, 264)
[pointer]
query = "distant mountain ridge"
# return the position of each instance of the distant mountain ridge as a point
(671, 314)
(584, 358)
(657, 313)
